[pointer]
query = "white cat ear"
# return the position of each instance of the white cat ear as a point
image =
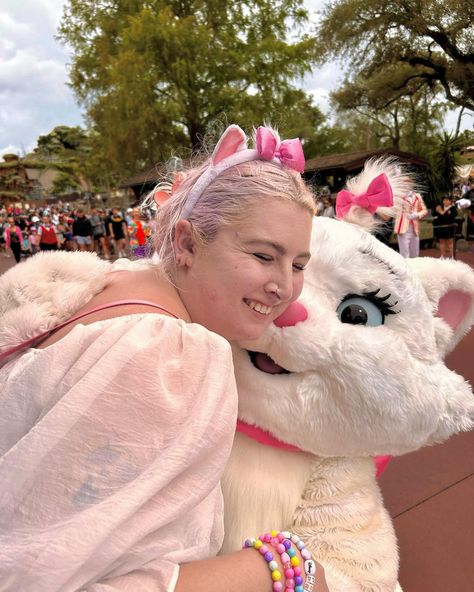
(232, 140)
(449, 286)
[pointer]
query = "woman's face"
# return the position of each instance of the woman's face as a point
(229, 285)
(447, 202)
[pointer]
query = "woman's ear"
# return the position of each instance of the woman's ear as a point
(184, 244)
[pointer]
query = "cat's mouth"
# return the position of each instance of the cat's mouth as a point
(264, 363)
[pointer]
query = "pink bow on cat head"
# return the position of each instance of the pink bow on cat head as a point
(289, 152)
(379, 194)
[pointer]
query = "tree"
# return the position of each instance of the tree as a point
(444, 158)
(155, 75)
(407, 123)
(397, 46)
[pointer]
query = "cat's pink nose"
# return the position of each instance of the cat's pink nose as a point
(295, 313)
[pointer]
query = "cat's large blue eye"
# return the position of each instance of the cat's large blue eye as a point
(358, 310)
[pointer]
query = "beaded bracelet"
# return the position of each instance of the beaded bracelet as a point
(263, 549)
(282, 542)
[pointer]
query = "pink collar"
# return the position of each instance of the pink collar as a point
(263, 437)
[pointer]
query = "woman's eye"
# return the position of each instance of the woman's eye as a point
(299, 266)
(263, 257)
(357, 310)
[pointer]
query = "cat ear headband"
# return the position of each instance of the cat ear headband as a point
(232, 150)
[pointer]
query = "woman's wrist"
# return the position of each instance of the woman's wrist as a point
(286, 550)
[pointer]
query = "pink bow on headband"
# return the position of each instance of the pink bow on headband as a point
(379, 194)
(288, 152)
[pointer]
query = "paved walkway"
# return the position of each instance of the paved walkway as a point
(430, 495)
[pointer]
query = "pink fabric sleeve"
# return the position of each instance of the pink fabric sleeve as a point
(111, 478)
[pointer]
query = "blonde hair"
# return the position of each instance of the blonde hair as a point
(226, 200)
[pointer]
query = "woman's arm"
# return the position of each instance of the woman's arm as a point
(243, 570)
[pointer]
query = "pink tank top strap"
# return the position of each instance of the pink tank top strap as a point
(38, 338)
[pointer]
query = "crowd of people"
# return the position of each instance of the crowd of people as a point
(111, 234)
(114, 233)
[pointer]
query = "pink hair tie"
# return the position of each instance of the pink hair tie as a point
(231, 150)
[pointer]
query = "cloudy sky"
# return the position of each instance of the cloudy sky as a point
(34, 96)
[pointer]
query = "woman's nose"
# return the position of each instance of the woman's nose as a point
(295, 313)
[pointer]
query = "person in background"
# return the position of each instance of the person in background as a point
(444, 226)
(118, 230)
(328, 208)
(82, 231)
(3, 227)
(407, 224)
(47, 234)
(34, 240)
(138, 231)
(98, 233)
(14, 238)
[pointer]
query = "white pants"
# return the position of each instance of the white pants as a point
(409, 243)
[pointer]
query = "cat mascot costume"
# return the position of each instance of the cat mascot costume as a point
(354, 369)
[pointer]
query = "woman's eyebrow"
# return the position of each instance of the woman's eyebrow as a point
(278, 248)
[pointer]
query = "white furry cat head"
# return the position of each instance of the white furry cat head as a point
(362, 389)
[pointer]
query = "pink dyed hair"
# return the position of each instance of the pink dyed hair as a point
(226, 201)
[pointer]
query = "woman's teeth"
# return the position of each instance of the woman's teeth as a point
(261, 308)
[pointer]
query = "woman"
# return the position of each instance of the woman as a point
(14, 238)
(444, 225)
(114, 431)
(47, 234)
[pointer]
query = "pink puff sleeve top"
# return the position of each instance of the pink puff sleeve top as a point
(112, 444)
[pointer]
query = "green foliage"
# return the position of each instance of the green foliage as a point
(397, 46)
(444, 157)
(407, 123)
(156, 76)
(61, 139)
(65, 184)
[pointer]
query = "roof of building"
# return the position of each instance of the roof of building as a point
(355, 160)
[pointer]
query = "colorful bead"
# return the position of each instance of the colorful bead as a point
(276, 575)
(272, 565)
(305, 554)
(282, 542)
